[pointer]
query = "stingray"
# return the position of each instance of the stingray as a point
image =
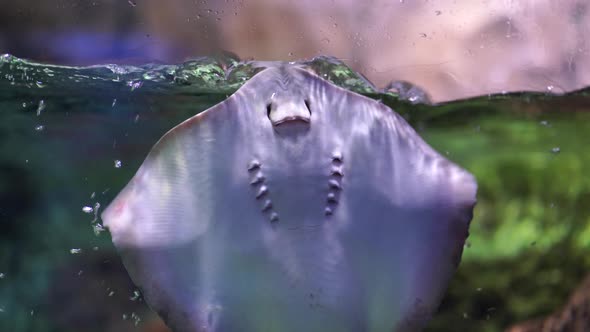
(293, 205)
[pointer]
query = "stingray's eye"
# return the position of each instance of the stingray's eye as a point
(268, 109)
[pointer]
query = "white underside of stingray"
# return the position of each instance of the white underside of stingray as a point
(294, 205)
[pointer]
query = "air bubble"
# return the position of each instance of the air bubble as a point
(118, 164)
(134, 85)
(75, 251)
(41, 107)
(136, 295)
(96, 208)
(97, 228)
(136, 318)
(87, 209)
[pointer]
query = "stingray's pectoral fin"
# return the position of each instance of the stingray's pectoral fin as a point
(463, 190)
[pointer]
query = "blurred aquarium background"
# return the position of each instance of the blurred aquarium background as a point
(498, 86)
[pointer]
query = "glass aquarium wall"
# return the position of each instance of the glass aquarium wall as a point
(499, 88)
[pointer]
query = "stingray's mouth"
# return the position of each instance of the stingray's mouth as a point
(291, 119)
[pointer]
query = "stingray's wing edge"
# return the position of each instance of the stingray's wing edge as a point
(136, 216)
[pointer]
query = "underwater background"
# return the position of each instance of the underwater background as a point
(72, 136)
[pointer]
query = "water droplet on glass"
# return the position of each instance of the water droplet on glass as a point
(40, 107)
(111, 293)
(39, 127)
(87, 209)
(118, 164)
(75, 251)
(2, 275)
(556, 149)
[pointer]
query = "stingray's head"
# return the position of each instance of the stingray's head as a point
(288, 97)
(285, 110)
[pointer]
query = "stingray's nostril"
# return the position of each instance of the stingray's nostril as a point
(268, 109)
(307, 105)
